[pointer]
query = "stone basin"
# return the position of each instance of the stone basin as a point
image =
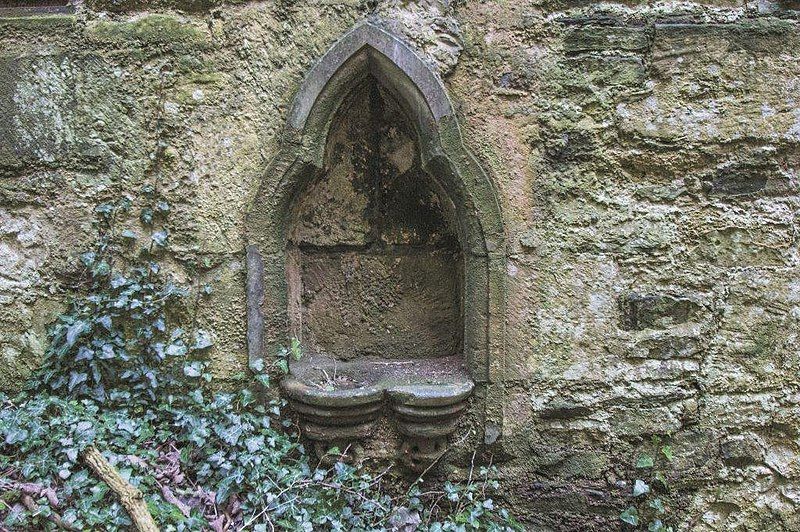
(339, 402)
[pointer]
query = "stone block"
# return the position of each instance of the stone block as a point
(119, 6)
(656, 311)
(564, 409)
(372, 305)
(665, 346)
(736, 182)
(592, 38)
(738, 411)
(742, 450)
(581, 464)
(746, 179)
(758, 246)
(780, 8)
(631, 421)
(151, 30)
(611, 71)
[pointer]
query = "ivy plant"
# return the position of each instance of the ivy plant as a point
(125, 374)
(650, 492)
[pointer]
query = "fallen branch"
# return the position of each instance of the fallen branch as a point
(32, 507)
(130, 497)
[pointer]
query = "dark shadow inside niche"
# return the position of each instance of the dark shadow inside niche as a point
(375, 268)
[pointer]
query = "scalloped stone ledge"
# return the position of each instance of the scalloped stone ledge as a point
(340, 402)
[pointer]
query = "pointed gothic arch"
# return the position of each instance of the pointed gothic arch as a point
(369, 50)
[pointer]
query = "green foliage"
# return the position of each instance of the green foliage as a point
(117, 330)
(649, 493)
(122, 376)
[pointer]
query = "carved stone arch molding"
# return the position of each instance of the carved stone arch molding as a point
(370, 50)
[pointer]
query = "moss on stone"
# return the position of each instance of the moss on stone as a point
(46, 24)
(146, 31)
(630, 155)
(119, 6)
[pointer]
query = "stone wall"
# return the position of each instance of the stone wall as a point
(646, 157)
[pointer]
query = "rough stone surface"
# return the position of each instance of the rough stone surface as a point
(378, 268)
(646, 159)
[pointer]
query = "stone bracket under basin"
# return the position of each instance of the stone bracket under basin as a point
(339, 403)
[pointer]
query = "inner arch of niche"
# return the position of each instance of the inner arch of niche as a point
(375, 269)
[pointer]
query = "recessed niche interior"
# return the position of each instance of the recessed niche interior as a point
(375, 270)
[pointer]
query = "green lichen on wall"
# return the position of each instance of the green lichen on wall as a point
(646, 158)
(150, 30)
(648, 162)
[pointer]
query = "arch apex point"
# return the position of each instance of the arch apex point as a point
(379, 45)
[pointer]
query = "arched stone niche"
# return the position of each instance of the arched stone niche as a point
(376, 238)
(375, 267)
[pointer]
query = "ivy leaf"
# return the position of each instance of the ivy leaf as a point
(640, 487)
(16, 435)
(176, 349)
(645, 461)
(127, 234)
(283, 365)
(76, 378)
(195, 369)
(657, 505)
(125, 473)
(128, 425)
(254, 444)
(667, 452)
(88, 258)
(630, 516)
(196, 395)
(246, 396)
(662, 479)
(160, 238)
(105, 321)
(202, 340)
(151, 378)
(146, 216)
(224, 490)
(84, 353)
(107, 352)
(74, 331)
(297, 352)
(104, 209)
(72, 454)
(101, 269)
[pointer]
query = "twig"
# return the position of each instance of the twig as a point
(130, 497)
(31, 505)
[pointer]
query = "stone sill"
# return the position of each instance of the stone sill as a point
(319, 379)
(34, 11)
